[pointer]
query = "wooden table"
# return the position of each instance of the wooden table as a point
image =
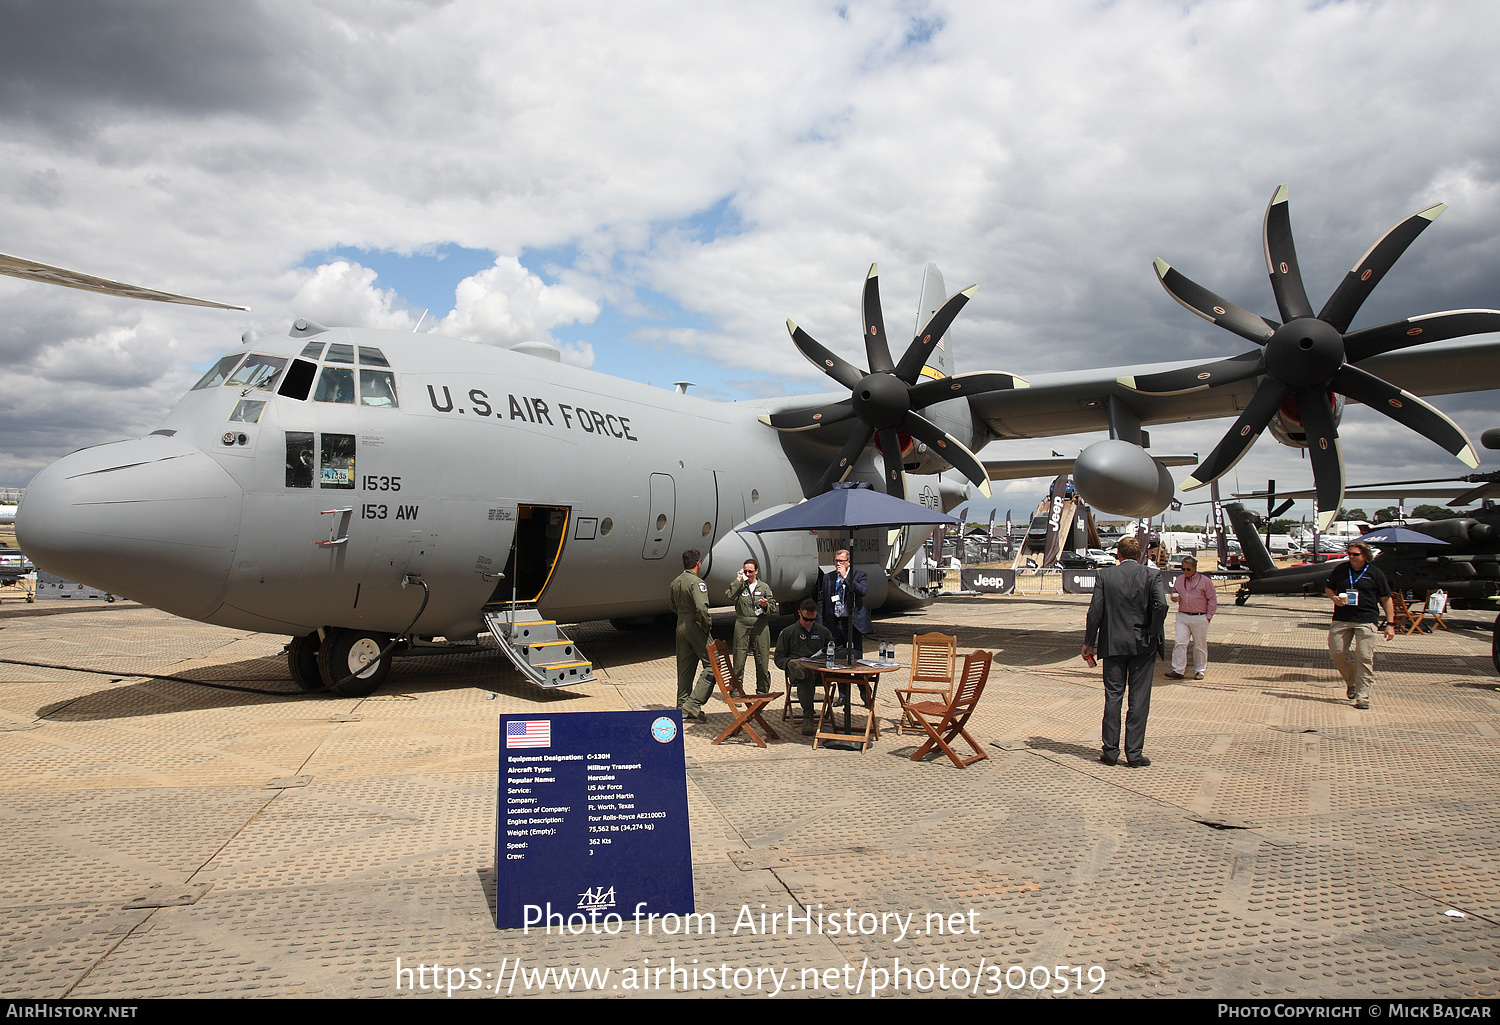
(852, 675)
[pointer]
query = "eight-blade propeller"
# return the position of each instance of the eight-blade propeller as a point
(1305, 357)
(885, 400)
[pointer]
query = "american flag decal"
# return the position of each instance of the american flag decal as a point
(528, 733)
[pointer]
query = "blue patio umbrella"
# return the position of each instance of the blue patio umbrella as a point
(849, 506)
(1398, 536)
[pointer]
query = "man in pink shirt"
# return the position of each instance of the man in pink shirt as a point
(1196, 601)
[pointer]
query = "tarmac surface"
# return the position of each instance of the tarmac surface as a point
(165, 838)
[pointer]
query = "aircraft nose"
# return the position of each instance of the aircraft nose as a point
(153, 519)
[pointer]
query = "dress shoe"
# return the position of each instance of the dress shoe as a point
(809, 727)
(1361, 704)
(1173, 674)
(1197, 676)
(1107, 760)
(1139, 763)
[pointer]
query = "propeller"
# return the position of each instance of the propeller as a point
(1306, 356)
(885, 400)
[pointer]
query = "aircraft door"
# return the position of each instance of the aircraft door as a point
(659, 520)
(536, 547)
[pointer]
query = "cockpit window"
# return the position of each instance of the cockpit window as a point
(339, 352)
(369, 356)
(298, 379)
(258, 372)
(247, 411)
(377, 388)
(220, 372)
(312, 350)
(335, 384)
(299, 459)
(336, 470)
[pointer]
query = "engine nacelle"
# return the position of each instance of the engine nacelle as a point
(1117, 477)
(788, 560)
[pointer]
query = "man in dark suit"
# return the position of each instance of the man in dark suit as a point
(841, 605)
(1125, 621)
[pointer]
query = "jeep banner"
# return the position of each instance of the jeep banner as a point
(988, 581)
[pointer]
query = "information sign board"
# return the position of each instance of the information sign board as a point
(592, 824)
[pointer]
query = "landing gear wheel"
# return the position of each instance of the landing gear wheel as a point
(302, 660)
(351, 651)
(1241, 597)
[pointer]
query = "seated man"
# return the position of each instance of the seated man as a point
(806, 638)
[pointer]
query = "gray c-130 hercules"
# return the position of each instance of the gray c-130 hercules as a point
(305, 482)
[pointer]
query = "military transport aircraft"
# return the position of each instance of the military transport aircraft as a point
(359, 490)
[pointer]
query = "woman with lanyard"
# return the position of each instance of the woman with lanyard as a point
(1362, 595)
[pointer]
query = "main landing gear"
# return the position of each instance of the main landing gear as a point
(344, 662)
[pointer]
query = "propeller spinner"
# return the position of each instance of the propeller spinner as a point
(1305, 357)
(886, 399)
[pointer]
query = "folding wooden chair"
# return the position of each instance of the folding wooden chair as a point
(1435, 607)
(943, 722)
(746, 708)
(1406, 620)
(933, 657)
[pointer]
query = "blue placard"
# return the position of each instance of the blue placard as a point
(592, 828)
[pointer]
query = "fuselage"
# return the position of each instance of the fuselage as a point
(316, 474)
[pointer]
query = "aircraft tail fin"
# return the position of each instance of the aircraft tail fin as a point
(1256, 556)
(934, 294)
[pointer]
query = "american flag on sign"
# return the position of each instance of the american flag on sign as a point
(528, 733)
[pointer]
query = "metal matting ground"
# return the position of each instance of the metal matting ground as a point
(167, 838)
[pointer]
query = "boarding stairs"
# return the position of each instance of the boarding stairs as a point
(538, 647)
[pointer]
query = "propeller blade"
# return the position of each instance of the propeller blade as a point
(1346, 300)
(877, 350)
(1213, 308)
(949, 447)
(825, 359)
(1405, 408)
(922, 344)
(1431, 327)
(1281, 259)
(1204, 375)
(979, 382)
(1233, 446)
(30, 270)
(809, 418)
(1324, 452)
(1283, 507)
(848, 455)
(890, 448)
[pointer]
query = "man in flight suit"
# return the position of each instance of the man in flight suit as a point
(754, 605)
(689, 597)
(806, 638)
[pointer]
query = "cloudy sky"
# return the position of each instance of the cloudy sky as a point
(655, 188)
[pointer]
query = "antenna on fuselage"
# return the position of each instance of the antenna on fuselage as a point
(419, 321)
(682, 386)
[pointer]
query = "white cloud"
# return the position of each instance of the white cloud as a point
(344, 294)
(506, 304)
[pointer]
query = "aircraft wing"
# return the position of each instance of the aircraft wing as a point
(1077, 402)
(1023, 469)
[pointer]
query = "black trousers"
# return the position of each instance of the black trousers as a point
(1134, 671)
